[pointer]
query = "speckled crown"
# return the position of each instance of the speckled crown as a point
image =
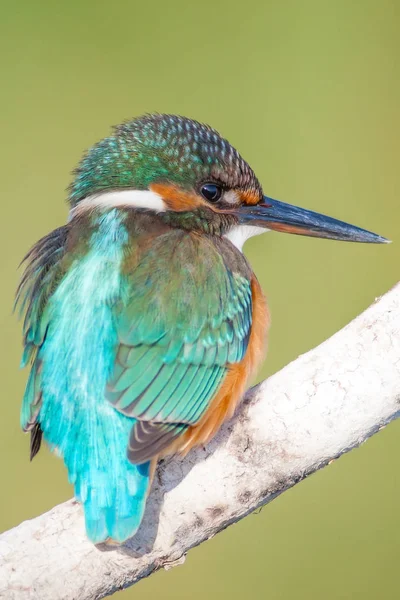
(159, 148)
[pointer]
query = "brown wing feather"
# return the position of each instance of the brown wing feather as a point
(149, 439)
(36, 439)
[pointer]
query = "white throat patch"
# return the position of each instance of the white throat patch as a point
(239, 234)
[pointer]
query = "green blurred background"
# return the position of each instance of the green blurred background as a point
(309, 92)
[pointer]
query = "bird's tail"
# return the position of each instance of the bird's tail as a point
(112, 490)
(112, 513)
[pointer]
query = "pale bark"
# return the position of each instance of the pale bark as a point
(321, 405)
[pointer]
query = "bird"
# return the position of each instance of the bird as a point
(143, 320)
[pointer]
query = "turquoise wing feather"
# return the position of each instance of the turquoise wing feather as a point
(184, 322)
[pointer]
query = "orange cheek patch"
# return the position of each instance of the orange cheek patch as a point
(176, 198)
(249, 197)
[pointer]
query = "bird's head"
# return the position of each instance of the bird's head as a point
(177, 166)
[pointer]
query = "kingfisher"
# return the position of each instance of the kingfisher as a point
(144, 321)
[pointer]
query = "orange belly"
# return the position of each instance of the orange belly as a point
(235, 383)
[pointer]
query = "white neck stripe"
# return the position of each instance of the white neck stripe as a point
(133, 198)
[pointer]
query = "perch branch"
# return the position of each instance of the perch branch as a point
(315, 409)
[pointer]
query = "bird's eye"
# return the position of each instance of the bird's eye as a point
(211, 192)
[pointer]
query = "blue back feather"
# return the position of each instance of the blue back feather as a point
(77, 357)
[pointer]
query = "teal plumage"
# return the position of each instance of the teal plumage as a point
(186, 318)
(143, 320)
(130, 337)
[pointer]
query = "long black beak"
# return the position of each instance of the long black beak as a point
(279, 216)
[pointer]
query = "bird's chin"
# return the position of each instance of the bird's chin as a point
(239, 234)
